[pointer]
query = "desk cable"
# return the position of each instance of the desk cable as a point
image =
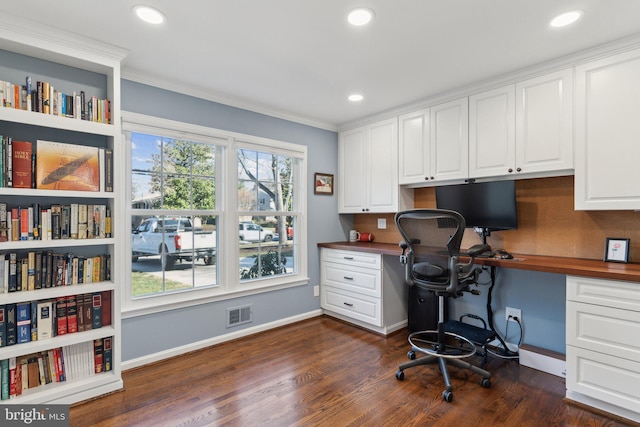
(506, 353)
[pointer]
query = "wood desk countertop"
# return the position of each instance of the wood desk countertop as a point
(561, 265)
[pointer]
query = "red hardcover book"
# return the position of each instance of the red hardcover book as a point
(22, 152)
(61, 315)
(98, 350)
(106, 308)
(72, 314)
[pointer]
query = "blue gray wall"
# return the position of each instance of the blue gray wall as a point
(540, 296)
(140, 335)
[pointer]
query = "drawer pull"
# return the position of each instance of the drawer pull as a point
(348, 278)
(350, 258)
(348, 304)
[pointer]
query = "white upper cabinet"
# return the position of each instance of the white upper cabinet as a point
(449, 149)
(523, 129)
(607, 132)
(492, 133)
(544, 123)
(414, 145)
(368, 165)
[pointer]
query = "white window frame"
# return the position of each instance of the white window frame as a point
(229, 285)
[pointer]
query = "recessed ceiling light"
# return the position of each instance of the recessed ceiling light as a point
(566, 18)
(149, 14)
(360, 16)
(356, 97)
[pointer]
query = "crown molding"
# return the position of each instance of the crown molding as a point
(38, 40)
(568, 61)
(208, 95)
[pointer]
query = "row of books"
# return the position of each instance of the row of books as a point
(68, 363)
(69, 221)
(39, 320)
(45, 269)
(55, 166)
(45, 98)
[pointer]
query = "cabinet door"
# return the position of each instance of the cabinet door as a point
(450, 140)
(607, 129)
(544, 123)
(414, 147)
(492, 133)
(352, 162)
(382, 166)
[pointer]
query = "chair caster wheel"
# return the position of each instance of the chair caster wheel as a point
(486, 383)
(399, 375)
(447, 396)
(411, 355)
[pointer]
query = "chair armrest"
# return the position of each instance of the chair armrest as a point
(478, 249)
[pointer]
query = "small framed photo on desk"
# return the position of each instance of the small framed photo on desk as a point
(616, 250)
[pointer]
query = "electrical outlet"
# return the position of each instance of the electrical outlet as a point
(513, 312)
(316, 291)
(382, 223)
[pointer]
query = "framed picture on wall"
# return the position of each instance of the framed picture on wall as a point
(616, 250)
(323, 183)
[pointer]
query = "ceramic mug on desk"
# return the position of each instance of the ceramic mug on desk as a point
(365, 237)
(353, 235)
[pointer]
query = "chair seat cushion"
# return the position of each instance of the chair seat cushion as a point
(426, 270)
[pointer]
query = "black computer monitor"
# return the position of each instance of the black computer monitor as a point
(489, 206)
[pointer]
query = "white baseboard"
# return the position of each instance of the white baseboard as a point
(177, 351)
(542, 360)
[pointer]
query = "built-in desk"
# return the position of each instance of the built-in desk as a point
(602, 324)
(548, 264)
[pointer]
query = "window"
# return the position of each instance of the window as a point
(213, 214)
(266, 216)
(174, 220)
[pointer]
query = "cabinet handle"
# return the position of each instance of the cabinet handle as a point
(348, 304)
(510, 170)
(432, 178)
(519, 170)
(348, 278)
(350, 258)
(426, 178)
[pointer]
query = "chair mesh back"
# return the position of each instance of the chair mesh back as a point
(433, 237)
(434, 232)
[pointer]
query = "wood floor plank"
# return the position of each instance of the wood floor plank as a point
(323, 372)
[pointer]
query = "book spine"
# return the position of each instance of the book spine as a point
(96, 312)
(11, 324)
(22, 151)
(23, 322)
(108, 354)
(3, 326)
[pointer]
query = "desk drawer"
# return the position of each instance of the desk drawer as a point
(352, 258)
(365, 281)
(604, 329)
(610, 293)
(355, 306)
(608, 378)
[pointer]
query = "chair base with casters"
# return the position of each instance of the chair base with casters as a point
(445, 348)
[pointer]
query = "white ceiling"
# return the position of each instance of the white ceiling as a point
(299, 59)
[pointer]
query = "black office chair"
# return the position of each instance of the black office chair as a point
(431, 255)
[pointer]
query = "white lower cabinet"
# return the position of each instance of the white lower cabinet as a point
(603, 354)
(366, 289)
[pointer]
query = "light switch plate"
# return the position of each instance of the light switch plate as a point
(382, 223)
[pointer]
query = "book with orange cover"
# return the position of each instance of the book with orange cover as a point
(21, 159)
(61, 166)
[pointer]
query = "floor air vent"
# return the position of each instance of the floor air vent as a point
(238, 315)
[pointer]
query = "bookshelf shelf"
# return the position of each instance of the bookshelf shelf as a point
(56, 122)
(59, 341)
(25, 42)
(57, 243)
(58, 291)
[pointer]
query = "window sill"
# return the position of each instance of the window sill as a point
(190, 298)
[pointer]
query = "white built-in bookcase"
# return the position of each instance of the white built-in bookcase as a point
(60, 57)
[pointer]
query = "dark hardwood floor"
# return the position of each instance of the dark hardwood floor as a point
(322, 372)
